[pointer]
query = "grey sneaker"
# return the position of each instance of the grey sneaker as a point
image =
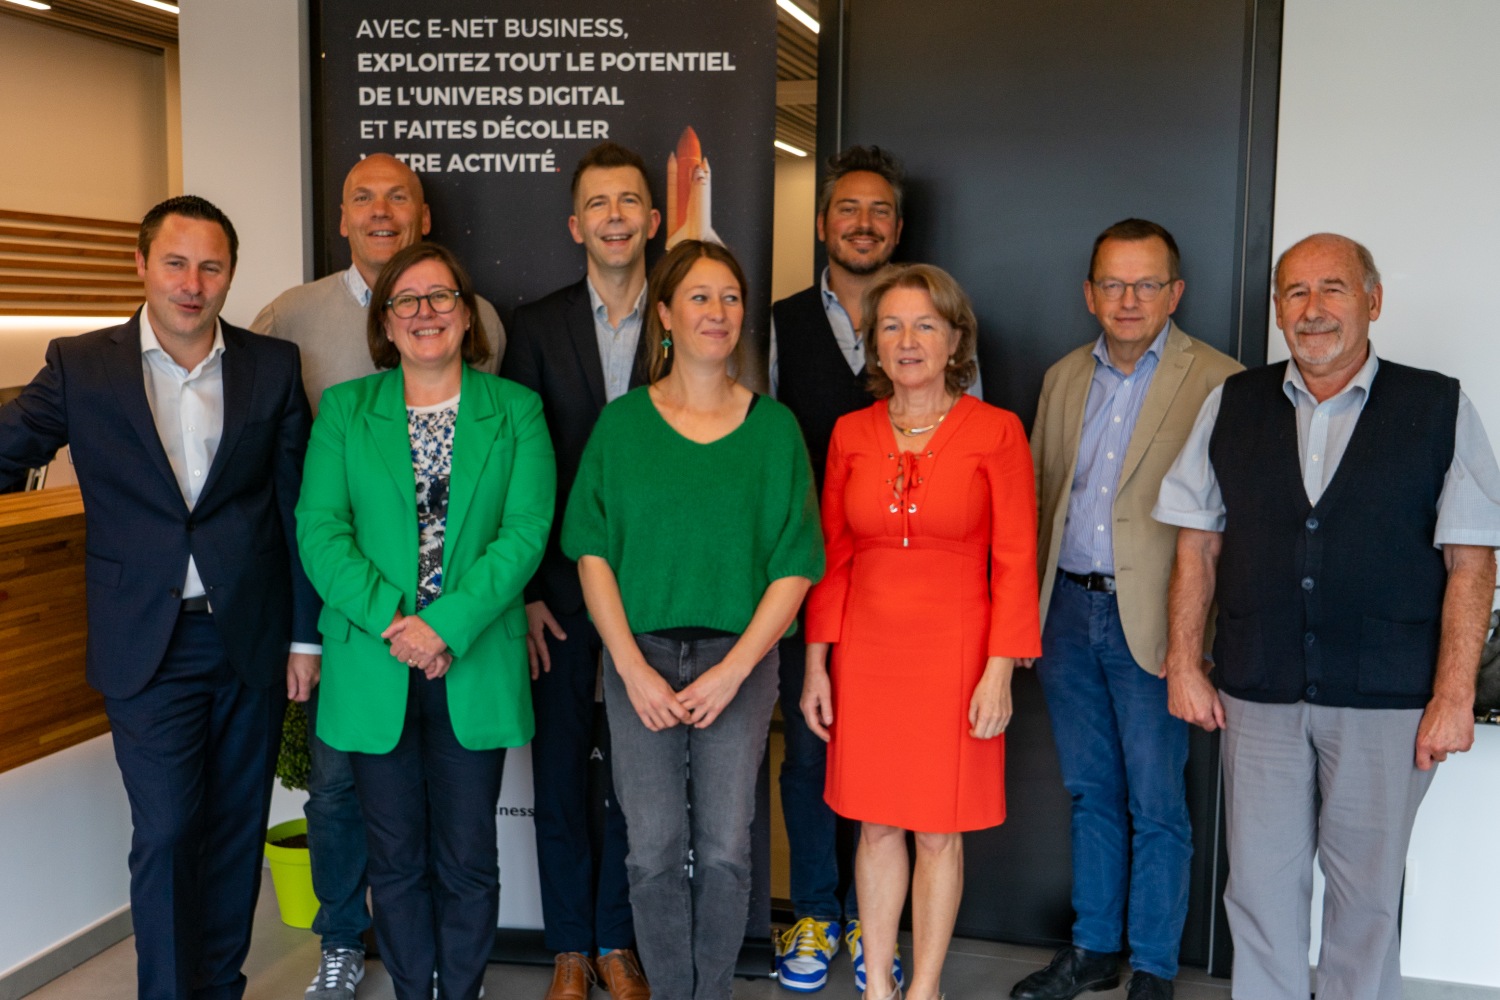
(339, 973)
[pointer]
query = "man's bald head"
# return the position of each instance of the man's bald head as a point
(382, 211)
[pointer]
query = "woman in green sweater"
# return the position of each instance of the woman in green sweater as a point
(695, 528)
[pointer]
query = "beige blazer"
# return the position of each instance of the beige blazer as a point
(1144, 548)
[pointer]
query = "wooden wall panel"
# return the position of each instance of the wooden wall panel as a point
(45, 704)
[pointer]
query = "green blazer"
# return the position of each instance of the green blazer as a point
(357, 532)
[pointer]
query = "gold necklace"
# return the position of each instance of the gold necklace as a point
(917, 431)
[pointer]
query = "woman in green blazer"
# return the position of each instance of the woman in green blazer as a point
(426, 503)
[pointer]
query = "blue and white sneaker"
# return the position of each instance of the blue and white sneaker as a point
(803, 954)
(854, 938)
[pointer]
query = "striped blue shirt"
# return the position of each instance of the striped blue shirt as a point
(1109, 416)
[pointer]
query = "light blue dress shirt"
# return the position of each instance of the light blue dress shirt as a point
(617, 344)
(355, 282)
(1109, 416)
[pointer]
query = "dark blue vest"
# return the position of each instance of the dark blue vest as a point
(813, 378)
(1340, 603)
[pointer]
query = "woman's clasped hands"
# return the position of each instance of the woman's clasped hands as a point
(415, 644)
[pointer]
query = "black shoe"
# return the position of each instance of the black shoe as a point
(1072, 971)
(1146, 986)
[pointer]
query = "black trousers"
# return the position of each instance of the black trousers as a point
(583, 908)
(197, 751)
(434, 870)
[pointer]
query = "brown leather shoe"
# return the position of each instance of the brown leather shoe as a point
(572, 977)
(620, 973)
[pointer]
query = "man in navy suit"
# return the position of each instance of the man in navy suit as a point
(187, 435)
(579, 348)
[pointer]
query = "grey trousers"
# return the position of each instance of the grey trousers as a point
(1340, 783)
(689, 798)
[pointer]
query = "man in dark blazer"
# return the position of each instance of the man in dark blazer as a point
(187, 435)
(579, 348)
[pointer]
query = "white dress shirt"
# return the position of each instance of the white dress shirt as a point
(188, 409)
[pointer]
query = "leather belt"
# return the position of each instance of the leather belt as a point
(1092, 581)
(195, 605)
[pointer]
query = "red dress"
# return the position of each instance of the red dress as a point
(931, 571)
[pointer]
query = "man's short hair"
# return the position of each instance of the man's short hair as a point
(188, 206)
(606, 155)
(1366, 259)
(1133, 230)
(870, 159)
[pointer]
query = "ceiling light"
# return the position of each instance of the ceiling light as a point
(787, 148)
(170, 8)
(789, 6)
(32, 4)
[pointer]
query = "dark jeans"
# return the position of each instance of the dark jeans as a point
(811, 827)
(429, 809)
(582, 909)
(1123, 762)
(197, 750)
(335, 843)
(689, 799)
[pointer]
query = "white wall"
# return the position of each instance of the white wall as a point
(245, 136)
(793, 233)
(85, 123)
(66, 826)
(1387, 134)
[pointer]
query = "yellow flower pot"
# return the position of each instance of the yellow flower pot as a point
(291, 873)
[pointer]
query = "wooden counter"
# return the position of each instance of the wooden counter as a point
(45, 704)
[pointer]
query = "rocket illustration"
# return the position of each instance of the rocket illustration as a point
(689, 193)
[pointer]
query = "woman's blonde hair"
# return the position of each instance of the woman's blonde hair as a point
(951, 303)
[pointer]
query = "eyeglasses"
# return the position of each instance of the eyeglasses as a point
(442, 300)
(1145, 290)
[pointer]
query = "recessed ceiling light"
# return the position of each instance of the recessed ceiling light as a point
(32, 4)
(170, 8)
(790, 6)
(788, 148)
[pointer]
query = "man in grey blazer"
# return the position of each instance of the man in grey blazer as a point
(1112, 417)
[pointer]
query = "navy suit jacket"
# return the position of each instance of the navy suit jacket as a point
(92, 396)
(554, 351)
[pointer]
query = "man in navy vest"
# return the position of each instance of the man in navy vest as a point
(817, 368)
(1341, 510)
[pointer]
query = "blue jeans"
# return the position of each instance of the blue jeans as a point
(811, 827)
(1123, 760)
(689, 868)
(335, 843)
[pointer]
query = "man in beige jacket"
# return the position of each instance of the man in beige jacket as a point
(1112, 417)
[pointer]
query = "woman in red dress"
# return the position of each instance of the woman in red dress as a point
(930, 596)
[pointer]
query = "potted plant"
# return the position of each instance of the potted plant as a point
(286, 843)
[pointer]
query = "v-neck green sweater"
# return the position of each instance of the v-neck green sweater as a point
(694, 532)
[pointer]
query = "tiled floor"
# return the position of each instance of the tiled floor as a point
(282, 961)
